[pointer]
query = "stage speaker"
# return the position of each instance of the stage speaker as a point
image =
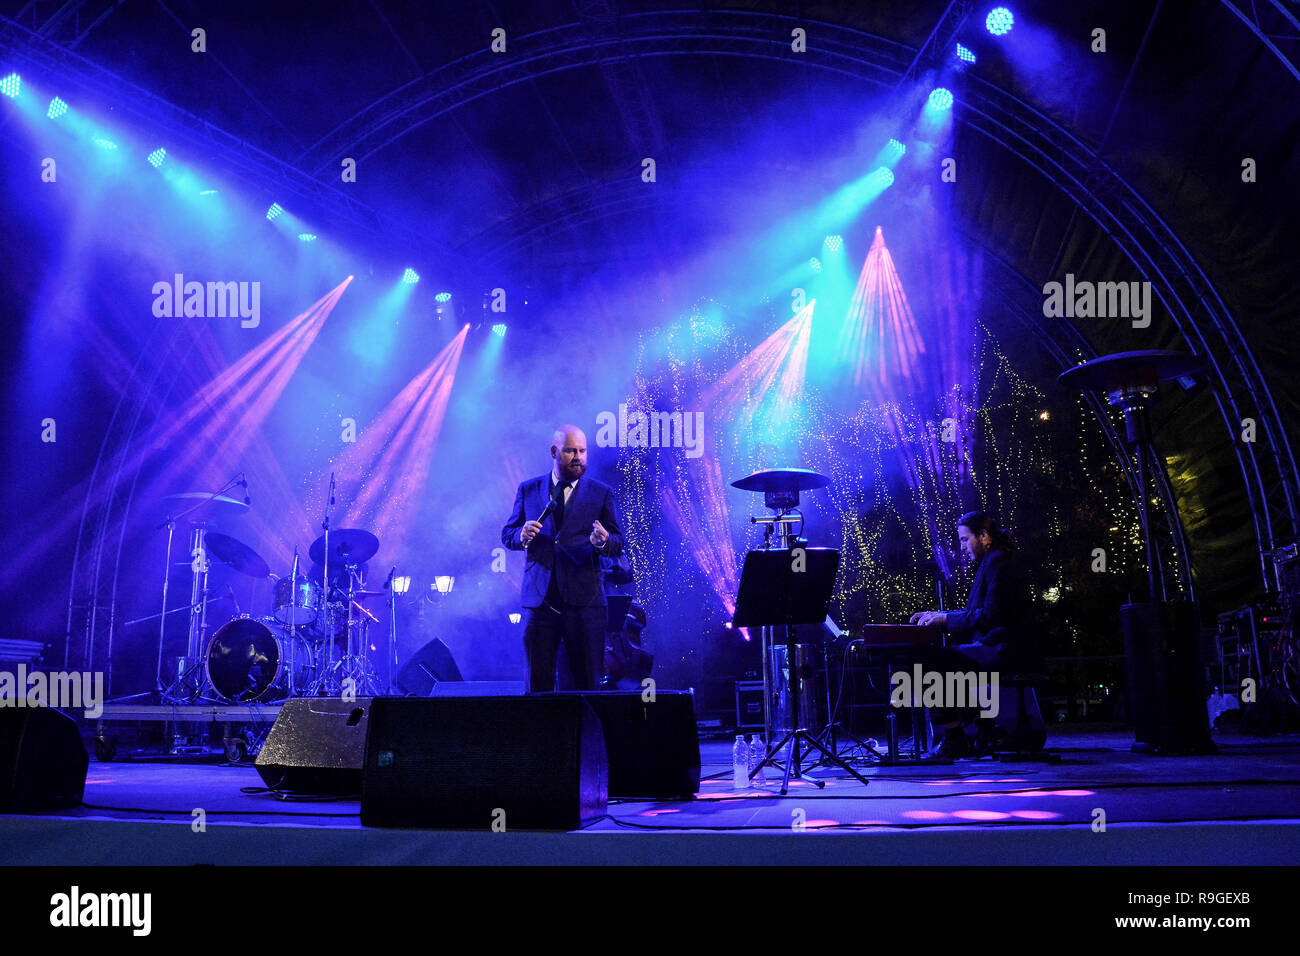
(479, 763)
(653, 746)
(317, 745)
(431, 665)
(1166, 679)
(42, 760)
(479, 688)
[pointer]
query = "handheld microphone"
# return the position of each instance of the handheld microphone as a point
(546, 513)
(389, 583)
(550, 507)
(331, 488)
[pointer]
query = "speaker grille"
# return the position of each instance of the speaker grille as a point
(317, 746)
(458, 762)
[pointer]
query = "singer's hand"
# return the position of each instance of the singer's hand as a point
(529, 531)
(598, 535)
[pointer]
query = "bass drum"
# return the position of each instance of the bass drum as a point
(247, 661)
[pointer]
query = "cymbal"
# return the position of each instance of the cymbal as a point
(236, 554)
(782, 479)
(347, 545)
(220, 506)
(1127, 369)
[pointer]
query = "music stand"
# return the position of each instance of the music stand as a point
(785, 588)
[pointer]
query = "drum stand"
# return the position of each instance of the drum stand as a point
(354, 665)
(352, 673)
(190, 667)
(291, 687)
(326, 662)
(191, 683)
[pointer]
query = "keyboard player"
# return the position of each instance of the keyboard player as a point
(991, 632)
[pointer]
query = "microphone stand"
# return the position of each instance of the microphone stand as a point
(293, 620)
(326, 617)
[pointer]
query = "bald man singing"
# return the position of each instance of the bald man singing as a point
(562, 594)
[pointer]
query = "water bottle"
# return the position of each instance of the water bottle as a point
(740, 763)
(757, 753)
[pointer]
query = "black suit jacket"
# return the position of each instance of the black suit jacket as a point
(567, 552)
(997, 612)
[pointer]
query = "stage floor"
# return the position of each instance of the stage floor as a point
(1241, 807)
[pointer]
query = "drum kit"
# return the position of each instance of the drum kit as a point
(315, 640)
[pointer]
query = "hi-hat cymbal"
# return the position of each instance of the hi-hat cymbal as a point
(347, 546)
(782, 479)
(235, 553)
(208, 506)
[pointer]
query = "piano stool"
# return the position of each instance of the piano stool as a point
(1019, 731)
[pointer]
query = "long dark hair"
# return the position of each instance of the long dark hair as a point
(979, 522)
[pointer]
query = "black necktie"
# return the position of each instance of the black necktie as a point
(559, 507)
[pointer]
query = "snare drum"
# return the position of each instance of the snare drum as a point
(296, 601)
(248, 661)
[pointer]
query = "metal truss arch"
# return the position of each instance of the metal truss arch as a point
(1202, 318)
